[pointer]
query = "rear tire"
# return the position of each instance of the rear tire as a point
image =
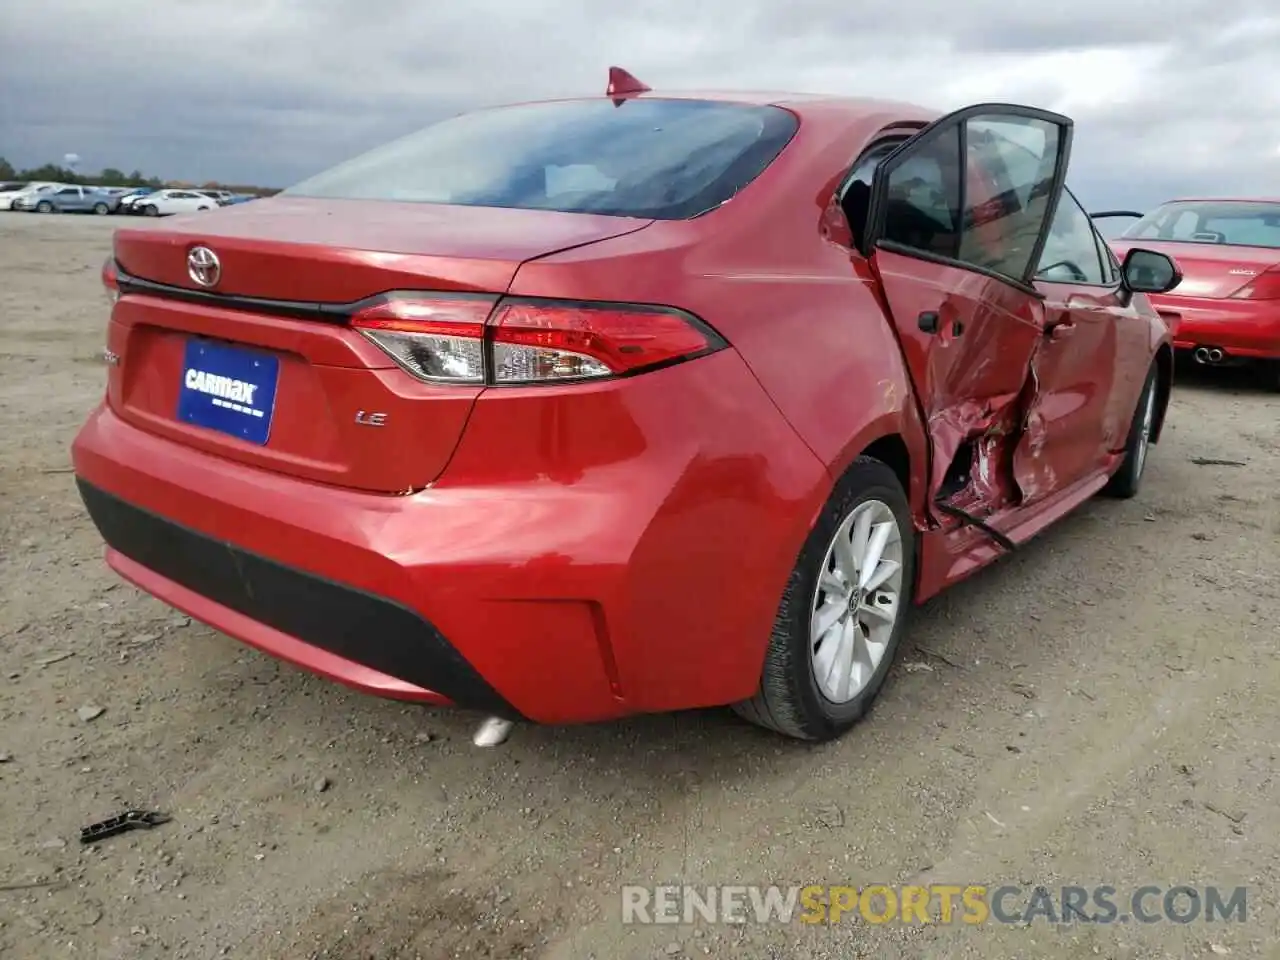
(44, 206)
(101, 209)
(867, 505)
(1125, 482)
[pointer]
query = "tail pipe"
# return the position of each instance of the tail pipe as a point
(1215, 355)
(1201, 355)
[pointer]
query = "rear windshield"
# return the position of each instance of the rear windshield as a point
(650, 158)
(1238, 223)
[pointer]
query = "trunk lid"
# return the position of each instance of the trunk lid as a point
(339, 251)
(1210, 270)
(261, 369)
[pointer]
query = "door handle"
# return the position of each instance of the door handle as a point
(1060, 331)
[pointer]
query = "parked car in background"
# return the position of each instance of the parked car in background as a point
(130, 199)
(12, 192)
(68, 199)
(581, 412)
(10, 189)
(163, 203)
(222, 197)
(1226, 310)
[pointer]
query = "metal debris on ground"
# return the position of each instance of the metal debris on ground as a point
(129, 820)
(492, 732)
(1233, 817)
(1214, 462)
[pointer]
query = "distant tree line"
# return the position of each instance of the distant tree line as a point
(116, 178)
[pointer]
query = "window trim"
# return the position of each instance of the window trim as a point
(890, 138)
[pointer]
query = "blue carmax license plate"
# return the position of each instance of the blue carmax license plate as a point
(228, 389)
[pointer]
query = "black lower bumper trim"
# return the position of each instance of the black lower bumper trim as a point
(358, 626)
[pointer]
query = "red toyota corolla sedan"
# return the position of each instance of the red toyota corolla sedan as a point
(1227, 308)
(577, 409)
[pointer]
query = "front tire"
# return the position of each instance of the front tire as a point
(44, 206)
(101, 209)
(1125, 482)
(150, 211)
(842, 613)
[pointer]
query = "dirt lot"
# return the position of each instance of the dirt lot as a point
(1101, 708)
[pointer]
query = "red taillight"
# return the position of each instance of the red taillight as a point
(1265, 286)
(535, 341)
(111, 280)
(437, 339)
(524, 341)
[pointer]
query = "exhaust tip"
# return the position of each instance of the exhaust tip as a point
(1215, 355)
(1201, 355)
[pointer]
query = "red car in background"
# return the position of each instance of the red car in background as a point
(1227, 308)
(570, 410)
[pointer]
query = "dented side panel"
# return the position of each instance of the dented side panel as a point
(1082, 386)
(970, 373)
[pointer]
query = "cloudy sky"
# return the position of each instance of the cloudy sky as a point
(1170, 97)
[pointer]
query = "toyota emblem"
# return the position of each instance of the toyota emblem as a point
(203, 266)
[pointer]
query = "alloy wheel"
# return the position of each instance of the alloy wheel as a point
(1144, 432)
(857, 601)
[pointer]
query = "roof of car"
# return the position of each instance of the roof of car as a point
(787, 98)
(790, 98)
(817, 108)
(1224, 200)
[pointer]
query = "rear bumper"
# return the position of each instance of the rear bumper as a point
(366, 641)
(1240, 328)
(644, 578)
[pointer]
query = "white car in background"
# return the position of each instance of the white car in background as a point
(221, 197)
(165, 202)
(11, 191)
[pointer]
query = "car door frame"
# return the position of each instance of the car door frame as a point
(946, 428)
(1094, 319)
(958, 118)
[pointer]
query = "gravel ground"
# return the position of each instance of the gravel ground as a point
(1100, 708)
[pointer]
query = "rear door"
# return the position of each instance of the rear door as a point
(954, 238)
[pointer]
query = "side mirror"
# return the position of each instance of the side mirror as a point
(1145, 271)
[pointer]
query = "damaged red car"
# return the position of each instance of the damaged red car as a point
(1226, 310)
(571, 410)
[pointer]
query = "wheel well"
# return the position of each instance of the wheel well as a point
(892, 452)
(1164, 388)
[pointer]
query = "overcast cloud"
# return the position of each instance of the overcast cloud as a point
(1173, 97)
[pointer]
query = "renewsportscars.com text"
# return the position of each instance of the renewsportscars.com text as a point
(937, 903)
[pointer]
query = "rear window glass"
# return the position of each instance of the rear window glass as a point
(650, 158)
(1244, 224)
